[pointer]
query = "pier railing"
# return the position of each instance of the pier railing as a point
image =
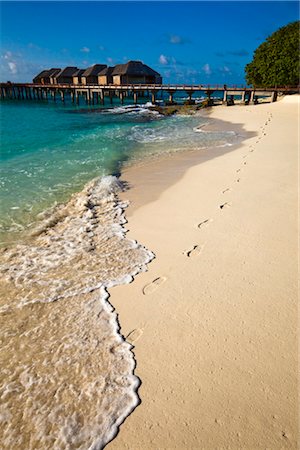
(97, 93)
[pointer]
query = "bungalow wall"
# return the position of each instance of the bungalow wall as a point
(117, 79)
(136, 79)
(77, 80)
(105, 79)
(93, 79)
(64, 80)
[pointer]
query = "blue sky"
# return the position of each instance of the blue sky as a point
(187, 42)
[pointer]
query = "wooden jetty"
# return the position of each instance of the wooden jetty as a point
(93, 94)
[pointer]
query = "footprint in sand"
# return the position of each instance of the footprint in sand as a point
(151, 287)
(238, 170)
(226, 190)
(204, 223)
(225, 205)
(194, 251)
(238, 180)
(134, 335)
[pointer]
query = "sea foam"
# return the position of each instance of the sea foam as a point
(68, 374)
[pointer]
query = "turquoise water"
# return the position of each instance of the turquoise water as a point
(49, 151)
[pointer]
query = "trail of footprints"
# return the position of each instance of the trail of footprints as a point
(196, 249)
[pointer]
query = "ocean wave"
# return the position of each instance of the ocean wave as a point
(133, 109)
(69, 377)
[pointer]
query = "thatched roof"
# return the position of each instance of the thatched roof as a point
(94, 70)
(53, 72)
(134, 68)
(78, 73)
(67, 72)
(46, 74)
(42, 74)
(107, 71)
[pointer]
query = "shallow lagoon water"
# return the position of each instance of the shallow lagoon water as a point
(49, 151)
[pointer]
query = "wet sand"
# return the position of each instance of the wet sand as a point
(214, 319)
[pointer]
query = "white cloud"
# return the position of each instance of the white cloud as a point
(7, 55)
(85, 50)
(174, 39)
(225, 70)
(13, 68)
(110, 60)
(206, 69)
(163, 60)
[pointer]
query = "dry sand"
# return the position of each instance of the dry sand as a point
(214, 320)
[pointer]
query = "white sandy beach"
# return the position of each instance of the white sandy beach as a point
(214, 319)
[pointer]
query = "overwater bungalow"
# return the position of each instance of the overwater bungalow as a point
(135, 72)
(90, 75)
(46, 76)
(105, 76)
(77, 77)
(65, 76)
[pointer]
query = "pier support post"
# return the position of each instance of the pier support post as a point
(62, 96)
(243, 97)
(135, 97)
(153, 97)
(210, 100)
(274, 96)
(171, 93)
(121, 96)
(252, 96)
(111, 95)
(91, 96)
(190, 94)
(102, 96)
(225, 97)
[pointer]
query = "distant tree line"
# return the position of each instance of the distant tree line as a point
(276, 61)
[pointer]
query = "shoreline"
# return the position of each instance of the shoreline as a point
(24, 235)
(172, 166)
(212, 321)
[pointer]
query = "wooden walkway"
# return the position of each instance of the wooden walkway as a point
(98, 93)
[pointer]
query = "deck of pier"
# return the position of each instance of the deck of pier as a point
(98, 93)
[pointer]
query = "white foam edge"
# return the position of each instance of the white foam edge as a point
(112, 185)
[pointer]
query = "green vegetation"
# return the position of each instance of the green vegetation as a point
(276, 61)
